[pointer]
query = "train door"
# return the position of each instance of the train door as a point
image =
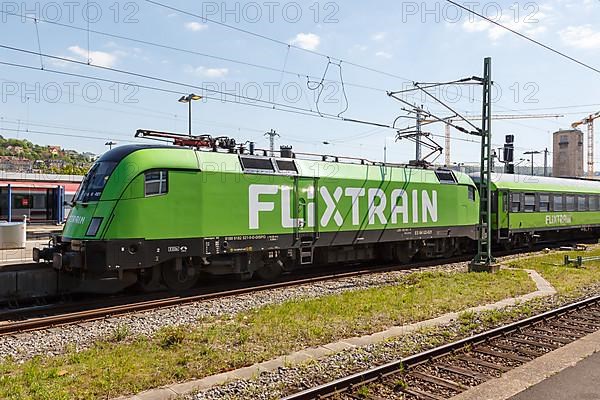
(306, 227)
(503, 215)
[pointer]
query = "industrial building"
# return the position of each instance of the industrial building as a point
(568, 153)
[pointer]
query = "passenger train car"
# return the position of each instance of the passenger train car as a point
(529, 209)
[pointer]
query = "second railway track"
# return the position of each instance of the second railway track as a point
(451, 369)
(53, 315)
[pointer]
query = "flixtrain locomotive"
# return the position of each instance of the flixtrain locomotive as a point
(160, 216)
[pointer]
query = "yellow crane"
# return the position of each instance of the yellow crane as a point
(589, 120)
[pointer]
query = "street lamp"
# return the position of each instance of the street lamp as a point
(532, 153)
(188, 99)
(110, 144)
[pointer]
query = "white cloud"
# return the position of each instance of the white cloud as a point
(100, 58)
(581, 37)
(383, 54)
(205, 72)
(195, 26)
(529, 25)
(307, 41)
(379, 36)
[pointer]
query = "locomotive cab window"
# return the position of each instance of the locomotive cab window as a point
(156, 182)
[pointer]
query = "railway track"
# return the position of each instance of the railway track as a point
(49, 316)
(44, 316)
(449, 370)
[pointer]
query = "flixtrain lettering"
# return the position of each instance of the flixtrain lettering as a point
(368, 206)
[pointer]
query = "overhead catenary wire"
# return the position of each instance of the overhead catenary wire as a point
(306, 111)
(189, 51)
(537, 42)
(87, 30)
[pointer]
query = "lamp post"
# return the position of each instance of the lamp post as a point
(110, 144)
(532, 153)
(188, 99)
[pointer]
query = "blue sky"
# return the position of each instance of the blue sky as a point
(421, 41)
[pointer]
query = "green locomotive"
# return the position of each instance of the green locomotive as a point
(160, 215)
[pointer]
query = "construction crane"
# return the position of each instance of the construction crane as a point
(589, 120)
(495, 117)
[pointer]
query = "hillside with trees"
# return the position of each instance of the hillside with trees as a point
(21, 155)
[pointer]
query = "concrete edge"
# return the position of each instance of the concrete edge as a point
(534, 372)
(544, 288)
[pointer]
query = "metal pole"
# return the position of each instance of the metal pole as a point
(448, 159)
(546, 162)
(385, 150)
(532, 165)
(484, 260)
(190, 117)
(418, 136)
(9, 202)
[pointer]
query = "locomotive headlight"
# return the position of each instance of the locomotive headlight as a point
(94, 226)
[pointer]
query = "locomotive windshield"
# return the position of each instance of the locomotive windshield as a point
(95, 180)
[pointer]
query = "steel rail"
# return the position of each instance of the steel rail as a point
(71, 317)
(38, 323)
(394, 367)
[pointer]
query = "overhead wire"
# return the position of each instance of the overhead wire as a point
(537, 42)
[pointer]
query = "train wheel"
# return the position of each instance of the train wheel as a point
(270, 271)
(179, 275)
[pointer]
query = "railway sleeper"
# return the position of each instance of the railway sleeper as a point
(483, 363)
(436, 380)
(463, 371)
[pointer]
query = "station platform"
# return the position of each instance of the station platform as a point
(20, 256)
(35, 231)
(579, 382)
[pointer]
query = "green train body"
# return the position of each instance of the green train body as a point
(160, 215)
(532, 208)
(146, 206)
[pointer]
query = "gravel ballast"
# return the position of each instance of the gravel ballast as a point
(286, 380)
(78, 337)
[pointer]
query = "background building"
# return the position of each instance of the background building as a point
(568, 153)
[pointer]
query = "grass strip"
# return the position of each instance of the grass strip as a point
(568, 280)
(124, 365)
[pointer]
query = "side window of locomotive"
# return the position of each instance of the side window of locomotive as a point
(544, 202)
(558, 203)
(471, 193)
(156, 182)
